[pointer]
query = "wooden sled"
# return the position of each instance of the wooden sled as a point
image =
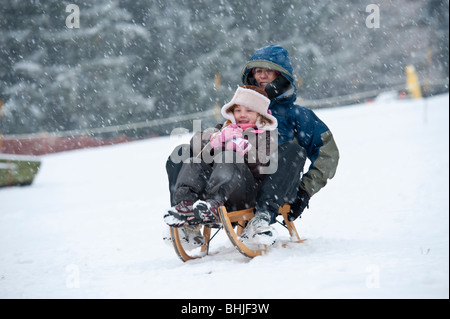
(230, 221)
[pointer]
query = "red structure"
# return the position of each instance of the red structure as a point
(47, 144)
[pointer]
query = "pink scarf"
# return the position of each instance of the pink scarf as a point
(246, 126)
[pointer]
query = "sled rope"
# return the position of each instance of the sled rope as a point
(213, 137)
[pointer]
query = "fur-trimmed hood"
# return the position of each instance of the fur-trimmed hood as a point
(248, 97)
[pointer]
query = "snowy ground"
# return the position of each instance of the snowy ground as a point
(91, 224)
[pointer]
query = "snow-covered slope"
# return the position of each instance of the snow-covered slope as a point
(91, 224)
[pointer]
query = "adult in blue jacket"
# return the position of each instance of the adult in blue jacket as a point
(301, 135)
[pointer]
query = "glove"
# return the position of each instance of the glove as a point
(299, 205)
(229, 132)
(240, 145)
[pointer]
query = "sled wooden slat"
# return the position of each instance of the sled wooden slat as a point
(230, 221)
(290, 225)
(245, 215)
(241, 215)
(183, 253)
(240, 246)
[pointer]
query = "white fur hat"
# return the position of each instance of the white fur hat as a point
(249, 96)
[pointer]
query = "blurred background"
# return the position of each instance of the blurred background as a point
(135, 68)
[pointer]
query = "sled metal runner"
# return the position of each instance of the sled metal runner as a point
(233, 223)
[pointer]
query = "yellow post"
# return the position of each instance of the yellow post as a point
(217, 81)
(412, 82)
(217, 84)
(1, 106)
(1, 115)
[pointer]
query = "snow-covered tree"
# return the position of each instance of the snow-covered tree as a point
(77, 78)
(132, 61)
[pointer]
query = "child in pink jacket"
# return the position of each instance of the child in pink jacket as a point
(229, 168)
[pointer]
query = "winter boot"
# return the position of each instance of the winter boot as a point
(259, 231)
(178, 215)
(207, 211)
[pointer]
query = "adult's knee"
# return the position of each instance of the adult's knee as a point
(291, 152)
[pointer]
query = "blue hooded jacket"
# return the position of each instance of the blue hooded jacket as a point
(296, 122)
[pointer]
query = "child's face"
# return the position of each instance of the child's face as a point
(244, 115)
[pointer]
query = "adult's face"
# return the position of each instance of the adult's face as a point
(264, 76)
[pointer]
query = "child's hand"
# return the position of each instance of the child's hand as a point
(229, 132)
(240, 145)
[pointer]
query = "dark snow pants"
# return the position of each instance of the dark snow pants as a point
(225, 180)
(173, 166)
(277, 188)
